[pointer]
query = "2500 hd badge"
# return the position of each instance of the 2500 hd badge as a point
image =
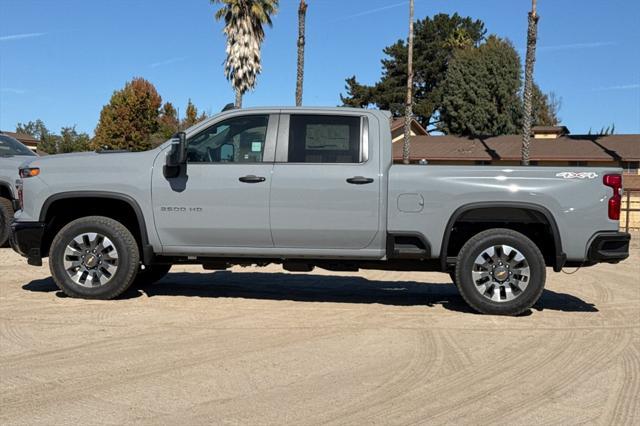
(181, 209)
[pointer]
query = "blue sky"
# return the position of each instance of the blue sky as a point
(60, 60)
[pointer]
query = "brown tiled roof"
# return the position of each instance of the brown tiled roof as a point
(25, 139)
(626, 147)
(443, 148)
(398, 123)
(567, 148)
(507, 148)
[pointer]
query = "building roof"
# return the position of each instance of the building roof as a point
(621, 147)
(398, 124)
(567, 148)
(25, 139)
(444, 148)
(507, 148)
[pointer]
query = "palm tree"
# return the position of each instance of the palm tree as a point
(302, 13)
(409, 109)
(532, 39)
(243, 26)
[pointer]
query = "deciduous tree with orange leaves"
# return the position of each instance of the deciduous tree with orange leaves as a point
(130, 118)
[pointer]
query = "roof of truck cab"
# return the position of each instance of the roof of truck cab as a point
(310, 108)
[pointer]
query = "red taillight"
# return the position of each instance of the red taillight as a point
(615, 202)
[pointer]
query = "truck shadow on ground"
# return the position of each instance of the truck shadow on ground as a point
(318, 288)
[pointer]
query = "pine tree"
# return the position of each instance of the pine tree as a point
(435, 41)
(482, 91)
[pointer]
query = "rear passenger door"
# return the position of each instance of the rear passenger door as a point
(325, 186)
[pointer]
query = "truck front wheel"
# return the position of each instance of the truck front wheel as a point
(500, 272)
(94, 257)
(6, 213)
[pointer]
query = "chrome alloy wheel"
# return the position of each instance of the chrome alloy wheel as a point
(91, 259)
(501, 273)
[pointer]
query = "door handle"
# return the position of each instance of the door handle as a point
(359, 180)
(252, 179)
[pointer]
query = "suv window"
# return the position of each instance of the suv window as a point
(324, 139)
(10, 146)
(236, 140)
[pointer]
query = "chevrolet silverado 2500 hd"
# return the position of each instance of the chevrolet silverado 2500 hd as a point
(311, 187)
(12, 155)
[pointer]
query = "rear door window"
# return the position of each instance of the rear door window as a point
(324, 139)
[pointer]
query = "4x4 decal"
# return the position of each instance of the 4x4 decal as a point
(577, 175)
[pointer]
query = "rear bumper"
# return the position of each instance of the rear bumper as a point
(26, 240)
(609, 247)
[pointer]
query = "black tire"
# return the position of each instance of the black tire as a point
(124, 243)
(6, 214)
(471, 292)
(452, 275)
(150, 275)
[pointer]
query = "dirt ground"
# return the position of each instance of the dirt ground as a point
(260, 346)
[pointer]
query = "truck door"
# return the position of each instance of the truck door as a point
(325, 189)
(223, 201)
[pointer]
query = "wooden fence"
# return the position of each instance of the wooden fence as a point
(630, 214)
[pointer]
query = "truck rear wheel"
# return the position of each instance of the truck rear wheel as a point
(94, 257)
(500, 272)
(6, 213)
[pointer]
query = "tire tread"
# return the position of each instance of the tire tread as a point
(520, 304)
(6, 213)
(119, 231)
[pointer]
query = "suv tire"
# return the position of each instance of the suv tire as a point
(6, 213)
(500, 272)
(90, 249)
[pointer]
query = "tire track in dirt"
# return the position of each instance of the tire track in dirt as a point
(427, 356)
(11, 334)
(627, 407)
(153, 368)
(568, 373)
(461, 386)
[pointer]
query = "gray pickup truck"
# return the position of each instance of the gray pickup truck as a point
(12, 155)
(305, 188)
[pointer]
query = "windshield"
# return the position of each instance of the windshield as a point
(10, 146)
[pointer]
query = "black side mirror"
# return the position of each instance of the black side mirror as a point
(177, 156)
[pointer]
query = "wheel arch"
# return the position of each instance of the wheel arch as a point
(141, 227)
(6, 191)
(559, 257)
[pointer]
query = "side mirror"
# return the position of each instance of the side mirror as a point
(177, 155)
